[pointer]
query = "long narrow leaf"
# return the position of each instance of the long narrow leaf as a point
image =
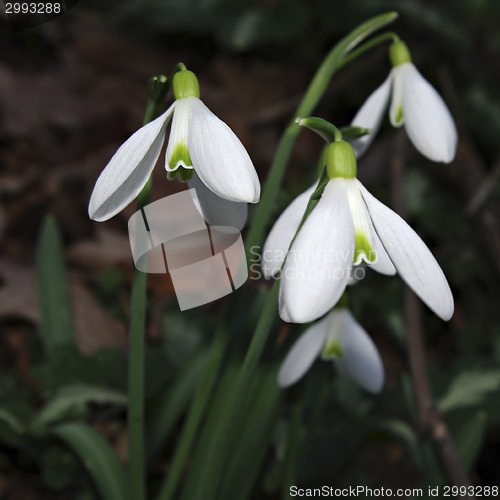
(173, 403)
(97, 456)
(52, 286)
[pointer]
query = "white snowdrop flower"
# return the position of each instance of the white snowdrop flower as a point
(340, 338)
(415, 104)
(198, 141)
(348, 226)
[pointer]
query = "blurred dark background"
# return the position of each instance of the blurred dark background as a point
(72, 90)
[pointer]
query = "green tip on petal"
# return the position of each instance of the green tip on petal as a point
(399, 53)
(332, 351)
(180, 158)
(181, 174)
(399, 116)
(185, 84)
(341, 160)
(363, 250)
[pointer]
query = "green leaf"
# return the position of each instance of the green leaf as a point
(52, 287)
(71, 401)
(97, 456)
(470, 388)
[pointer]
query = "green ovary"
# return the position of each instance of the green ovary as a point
(180, 155)
(332, 351)
(363, 250)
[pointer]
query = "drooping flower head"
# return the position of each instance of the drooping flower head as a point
(339, 338)
(199, 144)
(415, 104)
(346, 227)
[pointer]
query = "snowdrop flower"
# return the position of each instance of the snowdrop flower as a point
(415, 104)
(199, 142)
(348, 226)
(340, 338)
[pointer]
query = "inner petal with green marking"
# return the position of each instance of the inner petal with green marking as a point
(179, 158)
(332, 350)
(364, 246)
(177, 154)
(396, 112)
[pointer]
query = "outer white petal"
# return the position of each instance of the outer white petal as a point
(128, 171)
(370, 116)
(396, 110)
(303, 353)
(317, 268)
(411, 257)
(360, 361)
(282, 233)
(216, 210)
(219, 158)
(384, 264)
(428, 121)
(177, 154)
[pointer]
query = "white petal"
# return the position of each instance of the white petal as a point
(370, 116)
(428, 121)
(383, 265)
(219, 158)
(360, 361)
(397, 111)
(411, 257)
(282, 233)
(303, 353)
(216, 210)
(177, 154)
(128, 171)
(317, 268)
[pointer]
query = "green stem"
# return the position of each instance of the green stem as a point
(157, 90)
(136, 388)
(384, 37)
(196, 412)
(333, 61)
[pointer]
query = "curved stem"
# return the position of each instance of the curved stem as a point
(384, 37)
(333, 61)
